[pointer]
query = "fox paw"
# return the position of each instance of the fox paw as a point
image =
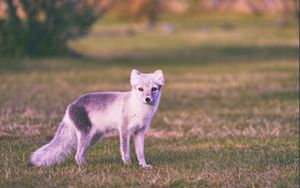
(81, 162)
(127, 162)
(146, 166)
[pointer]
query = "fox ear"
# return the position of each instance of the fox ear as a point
(160, 77)
(134, 77)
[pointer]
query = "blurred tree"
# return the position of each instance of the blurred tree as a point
(256, 7)
(41, 27)
(138, 10)
(194, 6)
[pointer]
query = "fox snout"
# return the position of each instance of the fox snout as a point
(148, 100)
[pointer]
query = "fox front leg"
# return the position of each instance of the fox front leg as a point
(125, 145)
(139, 148)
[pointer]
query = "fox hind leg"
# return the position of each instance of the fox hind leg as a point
(82, 147)
(84, 143)
(79, 116)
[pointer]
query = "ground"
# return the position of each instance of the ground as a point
(228, 117)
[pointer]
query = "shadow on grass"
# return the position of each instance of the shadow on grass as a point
(190, 56)
(206, 55)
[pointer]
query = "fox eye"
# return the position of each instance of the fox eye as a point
(140, 89)
(154, 89)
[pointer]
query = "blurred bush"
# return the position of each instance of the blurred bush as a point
(39, 27)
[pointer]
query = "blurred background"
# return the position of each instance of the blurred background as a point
(39, 28)
(229, 113)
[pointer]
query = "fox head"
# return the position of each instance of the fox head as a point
(147, 87)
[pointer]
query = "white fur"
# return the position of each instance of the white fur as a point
(108, 120)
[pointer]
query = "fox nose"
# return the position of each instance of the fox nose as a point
(147, 99)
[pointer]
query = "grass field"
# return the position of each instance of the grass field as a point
(229, 113)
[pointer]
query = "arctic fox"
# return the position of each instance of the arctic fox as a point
(91, 116)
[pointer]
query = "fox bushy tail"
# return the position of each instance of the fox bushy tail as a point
(57, 149)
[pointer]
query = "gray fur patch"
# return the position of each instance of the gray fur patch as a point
(79, 116)
(96, 101)
(96, 137)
